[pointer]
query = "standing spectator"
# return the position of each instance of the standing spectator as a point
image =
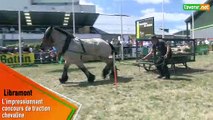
(1, 48)
(26, 49)
(30, 49)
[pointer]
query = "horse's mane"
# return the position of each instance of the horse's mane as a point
(64, 32)
(48, 32)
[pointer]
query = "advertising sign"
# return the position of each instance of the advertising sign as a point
(144, 28)
(27, 58)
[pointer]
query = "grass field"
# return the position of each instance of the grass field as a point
(139, 96)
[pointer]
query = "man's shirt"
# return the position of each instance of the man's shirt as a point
(160, 47)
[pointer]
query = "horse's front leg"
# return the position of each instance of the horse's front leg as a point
(64, 76)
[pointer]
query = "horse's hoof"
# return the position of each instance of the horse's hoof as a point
(104, 74)
(91, 78)
(63, 79)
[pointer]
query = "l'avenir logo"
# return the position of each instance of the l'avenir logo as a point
(197, 7)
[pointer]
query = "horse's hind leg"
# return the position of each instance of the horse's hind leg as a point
(64, 76)
(90, 76)
(112, 69)
(112, 73)
(107, 68)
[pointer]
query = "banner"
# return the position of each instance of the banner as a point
(144, 28)
(27, 58)
(23, 99)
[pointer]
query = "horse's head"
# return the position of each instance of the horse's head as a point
(47, 40)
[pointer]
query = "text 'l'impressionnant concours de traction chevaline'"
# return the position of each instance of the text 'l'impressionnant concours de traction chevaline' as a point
(12, 108)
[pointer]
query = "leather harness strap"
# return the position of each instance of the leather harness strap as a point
(68, 41)
(82, 46)
(66, 45)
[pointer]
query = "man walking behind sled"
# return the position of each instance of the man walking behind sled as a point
(163, 55)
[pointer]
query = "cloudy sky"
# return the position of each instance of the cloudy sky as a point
(174, 15)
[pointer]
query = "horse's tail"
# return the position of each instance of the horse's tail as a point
(112, 47)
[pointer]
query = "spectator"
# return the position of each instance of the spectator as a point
(4, 50)
(26, 49)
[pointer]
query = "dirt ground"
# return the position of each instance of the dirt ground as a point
(139, 96)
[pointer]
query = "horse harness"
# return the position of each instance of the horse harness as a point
(67, 43)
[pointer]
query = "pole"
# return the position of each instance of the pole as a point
(193, 35)
(162, 19)
(115, 71)
(73, 17)
(122, 41)
(19, 37)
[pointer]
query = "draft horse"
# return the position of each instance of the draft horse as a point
(77, 51)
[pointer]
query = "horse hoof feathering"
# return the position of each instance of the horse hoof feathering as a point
(105, 73)
(63, 80)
